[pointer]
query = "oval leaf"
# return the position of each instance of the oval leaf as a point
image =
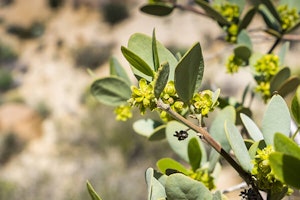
(238, 146)
(245, 21)
(168, 163)
(286, 145)
(187, 72)
(282, 52)
(286, 168)
(278, 80)
(276, 119)
(179, 186)
(157, 9)
(136, 62)
(194, 153)
(251, 127)
(141, 45)
(155, 189)
(111, 91)
(270, 20)
(244, 39)
(162, 79)
(289, 85)
(242, 52)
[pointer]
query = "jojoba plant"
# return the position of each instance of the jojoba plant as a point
(266, 158)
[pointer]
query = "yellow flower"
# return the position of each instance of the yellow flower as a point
(123, 112)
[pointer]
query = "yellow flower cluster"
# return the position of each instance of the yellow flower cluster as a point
(265, 68)
(289, 16)
(263, 173)
(205, 177)
(231, 13)
(233, 64)
(203, 103)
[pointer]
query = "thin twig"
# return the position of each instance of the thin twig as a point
(213, 143)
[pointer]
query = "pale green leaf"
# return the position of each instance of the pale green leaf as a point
(276, 119)
(154, 52)
(180, 187)
(155, 189)
(111, 91)
(251, 127)
(141, 45)
(238, 146)
(282, 52)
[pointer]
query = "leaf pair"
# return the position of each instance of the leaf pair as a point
(276, 119)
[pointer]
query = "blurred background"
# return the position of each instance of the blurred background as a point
(53, 134)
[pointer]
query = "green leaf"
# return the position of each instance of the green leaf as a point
(217, 195)
(251, 127)
(210, 11)
(149, 128)
(187, 73)
(276, 119)
(246, 20)
(242, 52)
(180, 147)
(286, 168)
(217, 130)
(278, 80)
(179, 186)
(155, 189)
(194, 153)
(289, 85)
(137, 62)
(270, 6)
(238, 146)
(282, 52)
(117, 70)
(92, 192)
(111, 91)
(141, 45)
(286, 145)
(270, 20)
(154, 52)
(157, 9)
(244, 39)
(168, 163)
(295, 108)
(162, 79)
